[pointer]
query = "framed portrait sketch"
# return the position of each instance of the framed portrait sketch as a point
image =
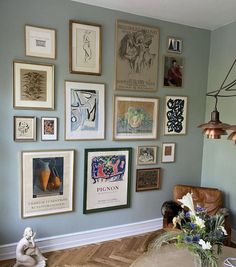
(146, 155)
(147, 179)
(173, 71)
(168, 152)
(24, 128)
(135, 118)
(84, 111)
(48, 129)
(85, 48)
(47, 182)
(137, 56)
(175, 115)
(33, 86)
(174, 45)
(40, 42)
(107, 179)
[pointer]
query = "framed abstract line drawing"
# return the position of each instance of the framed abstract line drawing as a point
(85, 48)
(174, 44)
(107, 179)
(135, 118)
(146, 155)
(33, 86)
(168, 152)
(40, 42)
(147, 179)
(137, 56)
(84, 111)
(25, 128)
(175, 115)
(48, 129)
(47, 182)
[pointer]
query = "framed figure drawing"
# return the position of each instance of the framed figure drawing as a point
(168, 152)
(47, 182)
(107, 179)
(146, 155)
(175, 115)
(174, 45)
(147, 179)
(24, 128)
(135, 118)
(137, 56)
(84, 111)
(85, 48)
(48, 129)
(33, 86)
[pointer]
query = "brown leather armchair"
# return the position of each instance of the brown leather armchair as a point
(209, 198)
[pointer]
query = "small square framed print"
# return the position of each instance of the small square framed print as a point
(147, 179)
(24, 128)
(40, 42)
(174, 44)
(49, 129)
(146, 155)
(168, 152)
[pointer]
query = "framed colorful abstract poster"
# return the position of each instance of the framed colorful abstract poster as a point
(135, 118)
(146, 155)
(48, 129)
(175, 115)
(168, 152)
(85, 48)
(84, 111)
(33, 86)
(147, 179)
(107, 179)
(24, 128)
(137, 56)
(47, 182)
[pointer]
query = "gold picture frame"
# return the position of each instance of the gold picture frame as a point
(148, 179)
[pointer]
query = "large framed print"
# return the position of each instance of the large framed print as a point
(107, 179)
(47, 182)
(175, 115)
(137, 56)
(135, 118)
(40, 42)
(84, 111)
(25, 128)
(85, 48)
(147, 179)
(33, 86)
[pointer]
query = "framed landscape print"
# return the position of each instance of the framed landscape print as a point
(135, 118)
(175, 115)
(24, 128)
(84, 111)
(147, 179)
(146, 155)
(168, 152)
(48, 129)
(173, 71)
(47, 182)
(107, 179)
(137, 56)
(40, 42)
(174, 45)
(33, 86)
(85, 48)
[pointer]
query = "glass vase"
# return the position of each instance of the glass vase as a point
(198, 262)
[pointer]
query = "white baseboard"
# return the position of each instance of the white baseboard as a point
(86, 237)
(233, 239)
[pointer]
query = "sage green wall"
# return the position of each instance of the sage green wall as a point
(219, 156)
(14, 14)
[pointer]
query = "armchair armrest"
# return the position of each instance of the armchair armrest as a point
(169, 210)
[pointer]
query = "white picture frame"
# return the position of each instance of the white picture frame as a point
(49, 129)
(168, 152)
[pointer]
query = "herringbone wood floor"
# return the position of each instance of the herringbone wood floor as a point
(117, 253)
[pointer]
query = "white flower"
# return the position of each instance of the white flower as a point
(223, 230)
(187, 201)
(205, 245)
(199, 222)
(175, 221)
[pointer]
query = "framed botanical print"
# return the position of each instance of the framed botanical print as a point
(33, 86)
(47, 182)
(85, 48)
(147, 179)
(84, 111)
(174, 44)
(137, 56)
(135, 118)
(168, 152)
(25, 128)
(146, 155)
(107, 179)
(175, 115)
(48, 129)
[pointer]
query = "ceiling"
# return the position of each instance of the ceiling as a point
(205, 14)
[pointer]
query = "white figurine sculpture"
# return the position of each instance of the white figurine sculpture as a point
(27, 253)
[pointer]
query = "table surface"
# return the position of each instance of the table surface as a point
(169, 256)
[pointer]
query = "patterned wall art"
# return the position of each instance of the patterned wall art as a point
(147, 179)
(25, 128)
(146, 155)
(175, 115)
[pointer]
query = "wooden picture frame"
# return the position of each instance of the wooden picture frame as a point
(135, 118)
(25, 128)
(47, 182)
(49, 128)
(147, 179)
(174, 45)
(85, 48)
(146, 155)
(33, 86)
(137, 57)
(84, 111)
(168, 152)
(107, 179)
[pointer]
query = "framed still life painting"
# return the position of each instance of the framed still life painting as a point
(24, 128)
(147, 179)
(84, 111)
(168, 152)
(107, 179)
(146, 155)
